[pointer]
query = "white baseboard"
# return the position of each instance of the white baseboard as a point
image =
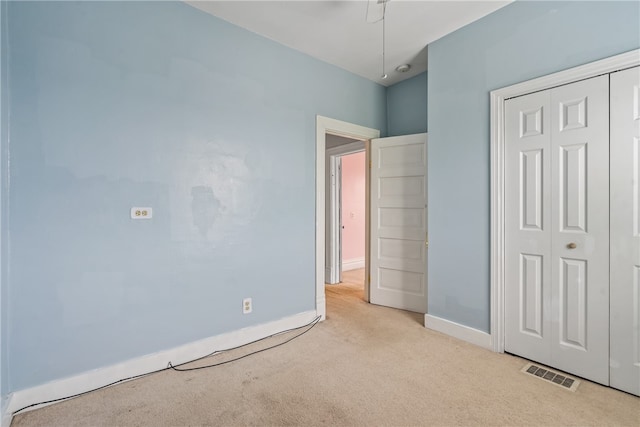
(101, 376)
(321, 306)
(459, 331)
(352, 264)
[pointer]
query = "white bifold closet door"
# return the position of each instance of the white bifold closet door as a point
(557, 227)
(625, 230)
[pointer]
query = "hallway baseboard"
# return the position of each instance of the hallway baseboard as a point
(352, 264)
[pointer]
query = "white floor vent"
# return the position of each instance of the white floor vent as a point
(557, 378)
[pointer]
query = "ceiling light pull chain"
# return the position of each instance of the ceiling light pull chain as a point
(384, 10)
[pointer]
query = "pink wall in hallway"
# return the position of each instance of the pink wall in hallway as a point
(353, 206)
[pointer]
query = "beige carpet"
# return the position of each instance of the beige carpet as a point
(364, 366)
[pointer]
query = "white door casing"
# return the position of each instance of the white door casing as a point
(399, 222)
(557, 228)
(326, 125)
(625, 230)
(334, 219)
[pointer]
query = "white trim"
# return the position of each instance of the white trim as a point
(327, 272)
(346, 149)
(326, 125)
(353, 264)
(593, 69)
(604, 66)
(99, 377)
(456, 330)
(497, 223)
(333, 224)
(367, 221)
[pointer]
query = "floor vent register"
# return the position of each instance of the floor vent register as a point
(551, 376)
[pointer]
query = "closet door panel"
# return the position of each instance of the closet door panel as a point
(580, 228)
(625, 230)
(527, 216)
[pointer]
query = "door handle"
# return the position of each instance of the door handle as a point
(572, 245)
(426, 239)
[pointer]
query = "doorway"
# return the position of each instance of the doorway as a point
(346, 186)
(396, 238)
(326, 126)
(352, 210)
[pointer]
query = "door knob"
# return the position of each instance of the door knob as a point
(572, 245)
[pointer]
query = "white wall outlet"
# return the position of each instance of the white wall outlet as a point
(141, 213)
(247, 306)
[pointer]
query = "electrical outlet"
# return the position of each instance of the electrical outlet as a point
(141, 213)
(247, 306)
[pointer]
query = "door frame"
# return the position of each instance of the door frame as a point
(333, 257)
(324, 126)
(498, 97)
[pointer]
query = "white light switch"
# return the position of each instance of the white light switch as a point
(141, 213)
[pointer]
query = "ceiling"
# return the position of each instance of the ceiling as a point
(337, 32)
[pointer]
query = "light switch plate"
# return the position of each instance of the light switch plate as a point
(141, 213)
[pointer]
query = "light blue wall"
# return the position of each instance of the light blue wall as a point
(122, 104)
(407, 106)
(518, 42)
(3, 204)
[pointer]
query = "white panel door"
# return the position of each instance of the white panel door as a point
(557, 228)
(625, 230)
(580, 228)
(399, 222)
(528, 227)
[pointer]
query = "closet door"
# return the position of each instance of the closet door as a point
(625, 230)
(528, 227)
(557, 227)
(580, 228)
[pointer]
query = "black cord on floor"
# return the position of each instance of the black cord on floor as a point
(312, 324)
(309, 326)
